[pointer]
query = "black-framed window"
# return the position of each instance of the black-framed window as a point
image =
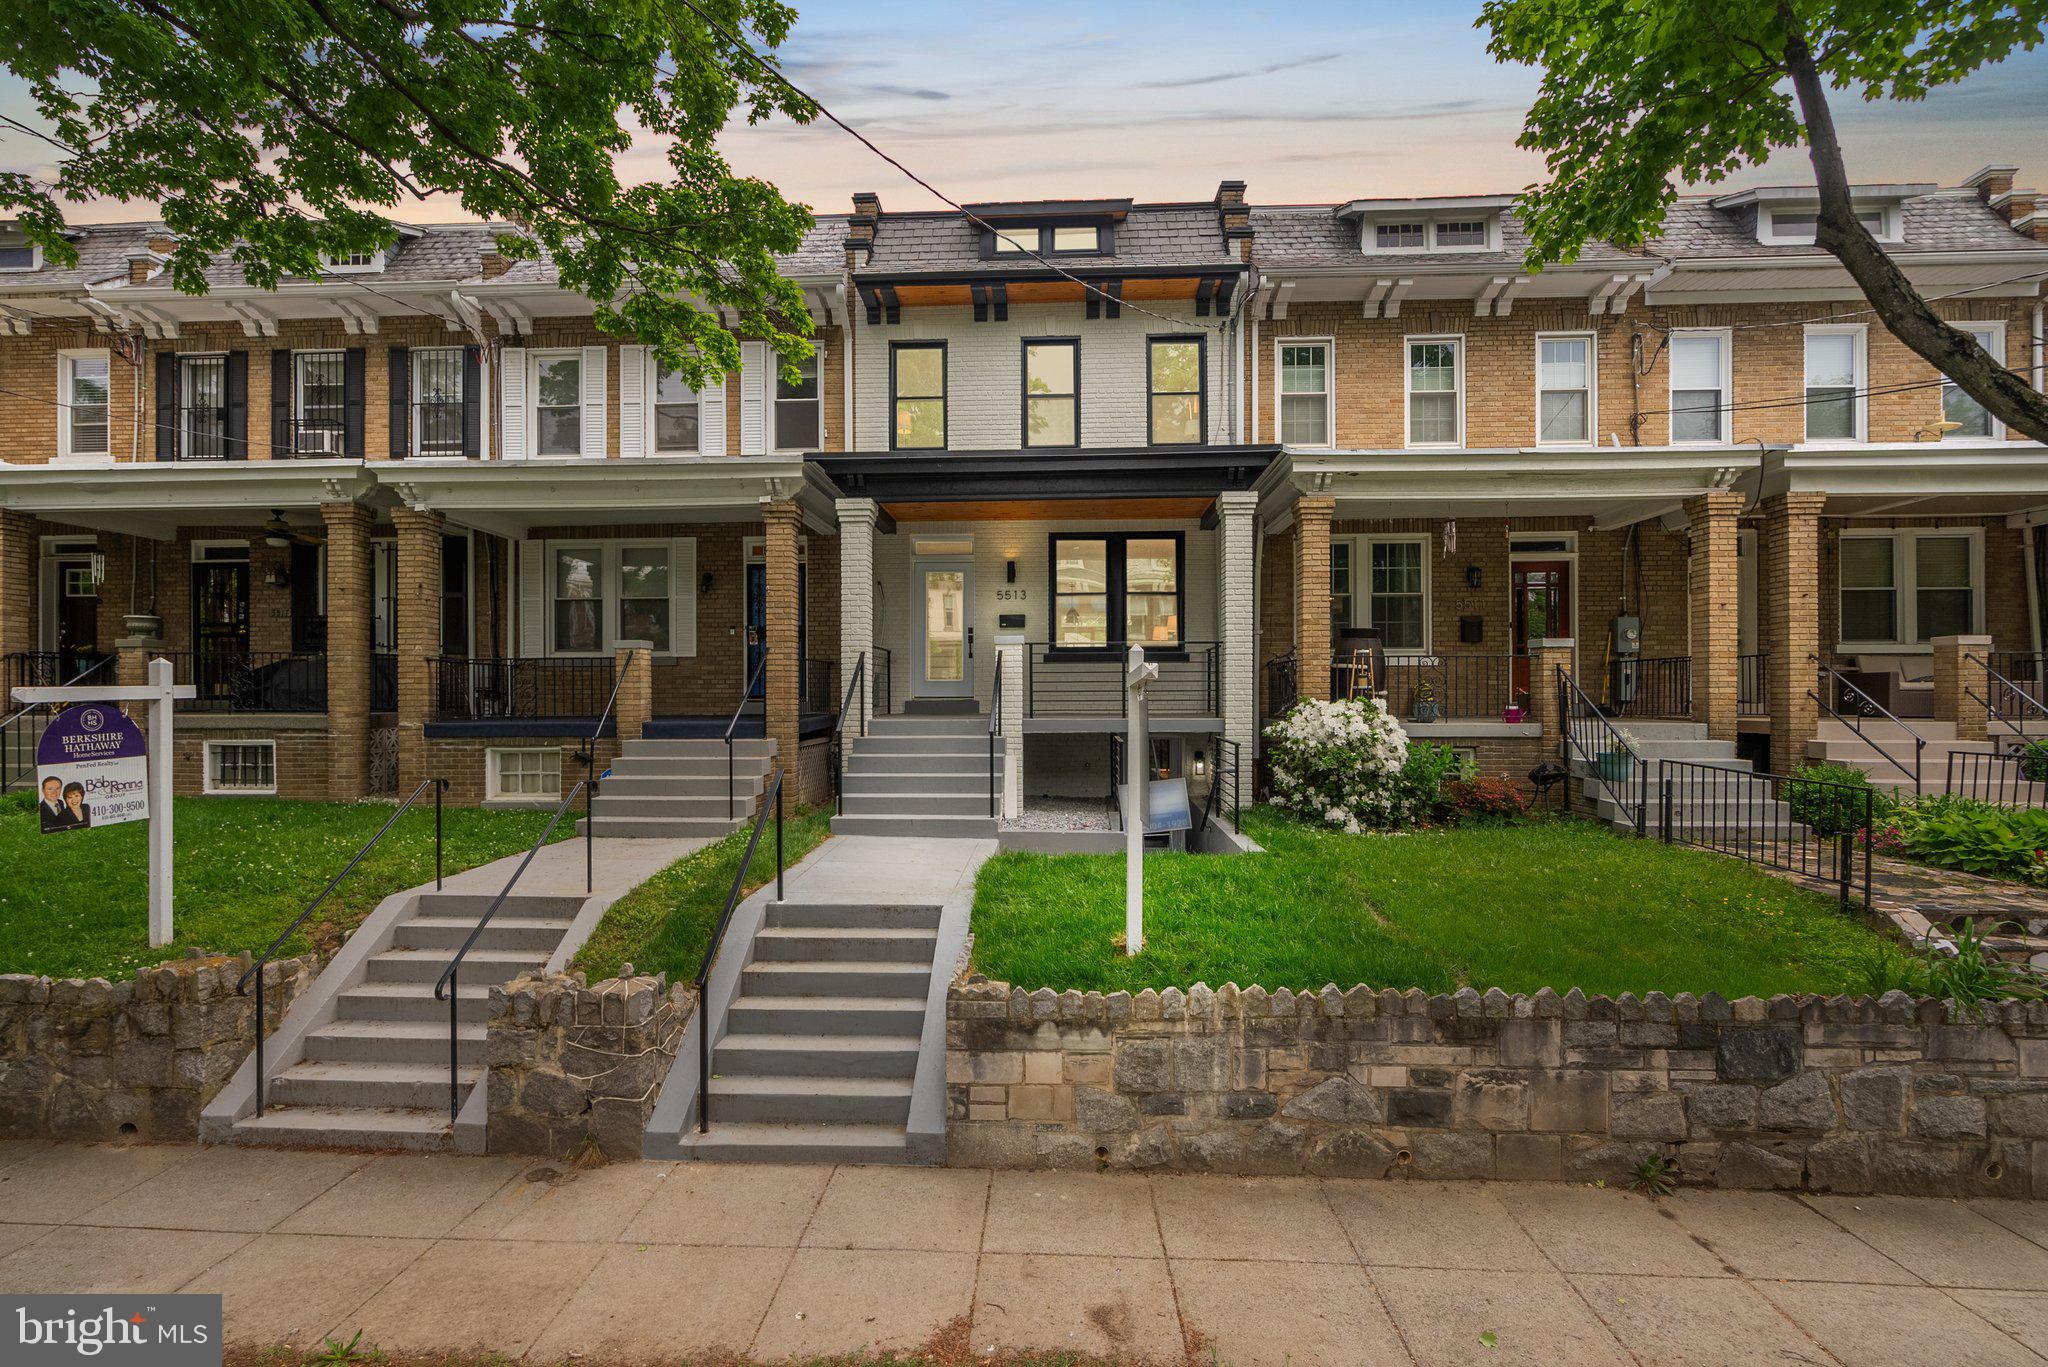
(1117, 589)
(1052, 391)
(1174, 369)
(917, 391)
(1049, 239)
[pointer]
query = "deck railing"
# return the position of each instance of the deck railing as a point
(230, 679)
(1065, 681)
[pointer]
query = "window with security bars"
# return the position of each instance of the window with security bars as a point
(241, 766)
(317, 397)
(437, 401)
(202, 407)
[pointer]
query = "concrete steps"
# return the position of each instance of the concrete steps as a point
(1701, 802)
(659, 789)
(920, 775)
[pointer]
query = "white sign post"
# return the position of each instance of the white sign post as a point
(159, 693)
(1137, 788)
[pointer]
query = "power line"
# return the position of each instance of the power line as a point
(1863, 312)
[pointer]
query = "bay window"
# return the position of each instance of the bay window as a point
(1564, 390)
(1834, 383)
(1115, 590)
(1436, 404)
(1904, 588)
(1174, 384)
(1305, 393)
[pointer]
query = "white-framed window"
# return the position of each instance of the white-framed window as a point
(82, 398)
(1343, 584)
(353, 263)
(1972, 419)
(1564, 389)
(1835, 373)
(603, 592)
(1436, 391)
(1796, 227)
(19, 254)
(1396, 597)
(1394, 237)
(1428, 234)
(523, 775)
(1461, 232)
(799, 408)
(576, 600)
(558, 403)
(241, 766)
(1701, 388)
(1306, 393)
(1903, 588)
(642, 590)
(437, 401)
(678, 415)
(317, 393)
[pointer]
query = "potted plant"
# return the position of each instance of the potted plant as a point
(1612, 764)
(1423, 707)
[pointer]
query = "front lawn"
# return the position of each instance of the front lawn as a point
(76, 904)
(663, 925)
(1559, 903)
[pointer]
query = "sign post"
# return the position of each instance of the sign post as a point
(1137, 789)
(93, 768)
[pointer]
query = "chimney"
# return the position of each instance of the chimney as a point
(493, 264)
(1992, 182)
(861, 227)
(1235, 218)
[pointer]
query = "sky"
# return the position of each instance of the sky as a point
(1313, 102)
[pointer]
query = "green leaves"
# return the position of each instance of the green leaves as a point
(273, 134)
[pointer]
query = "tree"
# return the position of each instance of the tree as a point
(1637, 93)
(274, 132)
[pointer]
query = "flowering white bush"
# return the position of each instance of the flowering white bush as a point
(1341, 763)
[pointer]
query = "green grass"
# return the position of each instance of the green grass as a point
(1561, 904)
(663, 925)
(76, 904)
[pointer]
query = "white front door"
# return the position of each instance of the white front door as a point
(944, 594)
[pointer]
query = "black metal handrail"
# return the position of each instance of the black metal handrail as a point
(1282, 685)
(1212, 801)
(1753, 685)
(15, 731)
(884, 682)
(732, 900)
(588, 754)
(447, 987)
(746, 696)
(1583, 725)
(1116, 777)
(995, 729)
(854, 688)
(1657, 686)
(1751, 816)
(230, 679)
(2004, 692)
(255, 970)
(1870, 707)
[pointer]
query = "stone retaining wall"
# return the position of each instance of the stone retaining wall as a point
(85, 1058)
(574, 1064)
(1837, 1094)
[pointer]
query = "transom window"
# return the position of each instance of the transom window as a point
(1971, 418)
(437, 401)
(83, 392)
(1305, 393)
(1564, 389)
(558, 404)
(677, 414)
(799, 407)
(1435, 391)
(1116, 590)
(1834, 383)
(1174, 371)
(1907, 587)
(1699, 387)
(1052, 393)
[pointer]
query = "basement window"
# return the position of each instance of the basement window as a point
(525, 775)
(248, 767)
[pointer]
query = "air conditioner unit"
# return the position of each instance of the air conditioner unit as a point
(321, 441)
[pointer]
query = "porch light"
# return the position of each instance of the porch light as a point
(1200, 768)
(1472, 576)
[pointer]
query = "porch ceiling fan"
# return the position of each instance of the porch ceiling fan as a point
(281, 534)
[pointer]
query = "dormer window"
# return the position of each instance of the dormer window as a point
(1086, 239)
(1397, 236)
(344, 263)
(1796, 227)
(1428, 235)
(1017, 240)
(19, 254)
(1463, 232)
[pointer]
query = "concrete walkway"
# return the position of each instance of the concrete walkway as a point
(656, 1261)
(875, 870)
(617, 867)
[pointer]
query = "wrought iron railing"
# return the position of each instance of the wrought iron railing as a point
(853, 711)
(2011, 778)
(319, 438)
(2025, 673)
(1753, 685)
(1602, 749)
(1802, 826)
(821, 686)
(1424, 688)
(384, 681)
(51, 668)
(1062, 681)
(773, 798)
(22, 729)
(468, 689)
(1650, 686)
(202, 433)
(883, 685)
(1282, 685)
(2008, 703)
(1852, 707)
(230, 679)
(746, 695)
(438, 430)
(995, 731)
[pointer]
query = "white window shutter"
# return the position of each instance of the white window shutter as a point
(682, 596)
(513, 418)
(533, 598)
(753, 398)
(633, 404)
(711, 418)
(594, 398)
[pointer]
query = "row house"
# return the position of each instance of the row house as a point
(1290, 450)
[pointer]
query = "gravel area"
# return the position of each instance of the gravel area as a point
(1063, 814)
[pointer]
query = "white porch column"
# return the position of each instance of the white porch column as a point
(857, 590)
(1237, 618)
(1010, 649)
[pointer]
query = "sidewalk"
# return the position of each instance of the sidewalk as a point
(657, 1261)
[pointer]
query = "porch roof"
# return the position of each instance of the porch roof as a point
(154, 499)
(1129, 472)
(1927, 478)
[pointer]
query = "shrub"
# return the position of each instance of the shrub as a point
(1829, 799)
(1341, 763)
(1976, 837)
(1487, 801)
(1426, 779)
(2033, 757)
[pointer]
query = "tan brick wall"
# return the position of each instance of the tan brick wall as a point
(1790, 583)
(348, 645)
(1312, 594)
(304, 757)
(419, 635)
(1715, 610)
(461, 761)
(784, 523)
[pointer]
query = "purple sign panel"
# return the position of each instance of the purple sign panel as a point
(91, 770)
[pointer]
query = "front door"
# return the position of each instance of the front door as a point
(1542, 610)
(757, 621)
(78, 619)
(220, 625)
(943, 590)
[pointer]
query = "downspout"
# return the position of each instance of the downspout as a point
(846, 365)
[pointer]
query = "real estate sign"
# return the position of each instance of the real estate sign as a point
(92, 769)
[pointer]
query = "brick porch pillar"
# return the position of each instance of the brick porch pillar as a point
(1716, 610)
(18, 588)
(634, 661)
(857, 518)
(348, 649)
(1312, 517)
(1238, 669)
(1961, 670)
(1790, 590)
(784, 682)
(1547, 655)
(419, 635)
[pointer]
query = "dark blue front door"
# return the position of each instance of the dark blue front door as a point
(757, 620)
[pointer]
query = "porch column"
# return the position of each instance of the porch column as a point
(1547, 655)
(1237, 619)
(784, 682)
(857, 517)
(18, 588)
(1791, 593)
(349, 600)
(1312, 517)
(634, 662)
(1961, 669)
(1011, 751)
(419, 635)
(1716, 610)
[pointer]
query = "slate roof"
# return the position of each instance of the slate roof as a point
(102, 255)
(1310, 235)
(1149, 235)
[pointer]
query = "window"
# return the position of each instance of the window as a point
(1869, 589)
(644, 595)
(1397, 236)
(1340, 584)
(202, 407)
(918, 381)
(1435, 381)
(1564, 389)
(437, 401)
(1970, 417)
(241, 766)
(82, 394)
(1396, 593)
(799, 408)
(1908, 587)
(1305, 393)
(1076, 239)
(578, 593)
(316, 395)
(1017, 240)
(1461, 233)
(517, 775)
(1052, 393)
(1070, 239)
(1116, 590)
(355, 261)
(1943, 604)
(677, 414)
(19, 254)
(1834, 380)
(1796, 227)
(1429, 234)
(558, 404)
(1174, 371)
(1699, 387)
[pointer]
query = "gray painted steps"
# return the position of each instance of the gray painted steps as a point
(369, 1085)
(347, 1127)
(776, 1013)
(800, 1099)
(921, 776)
(951, 827)
(678, 788)
(771, 1055)
(807, 1143)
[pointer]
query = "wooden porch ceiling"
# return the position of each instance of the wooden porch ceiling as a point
(1053, 510)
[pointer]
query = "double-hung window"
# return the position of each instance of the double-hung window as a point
(1834, 383)
(1342, 591)
(437, 401)
(799, 407)
(1564, 390)
(1115, 590)
(1305, 393)
(317, 400)
(1902, 588)
(917, 381)
(558, 404)
(1173, 371)
(82, 398)
(601, 593)
(1699, 387)
(677, 415)
(1052, 393)
(202, 407)
(643, 594)
(1396, 595)
(1971, 418)
(1436, 382)
(577, 586)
